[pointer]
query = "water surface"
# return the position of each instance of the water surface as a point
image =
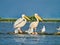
(19, 39)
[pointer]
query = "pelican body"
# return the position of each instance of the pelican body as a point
(20, 23)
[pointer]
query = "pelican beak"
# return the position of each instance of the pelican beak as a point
(39, 18)
(26, 17)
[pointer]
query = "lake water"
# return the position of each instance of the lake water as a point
(19, 39)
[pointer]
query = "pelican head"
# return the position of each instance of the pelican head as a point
(24, 16)
(38, 17)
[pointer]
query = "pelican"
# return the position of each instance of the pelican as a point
(58, 28)
(20, 23)
(34, 24)
(43, 29)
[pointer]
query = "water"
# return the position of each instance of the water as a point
(19, 39)
(50, 27)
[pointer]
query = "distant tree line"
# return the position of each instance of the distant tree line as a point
(32, 18)
(7, 20)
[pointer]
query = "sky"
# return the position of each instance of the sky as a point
(15, 8)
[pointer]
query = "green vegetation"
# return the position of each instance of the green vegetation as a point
(52, 20)
(45, 20)
(31, 17)
(7, 19)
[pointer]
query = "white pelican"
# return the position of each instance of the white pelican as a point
(58, 28)
(43, 29)
(34, 24)
(20, 23)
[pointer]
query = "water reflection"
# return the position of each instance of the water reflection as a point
(18, 39)
(29, 39)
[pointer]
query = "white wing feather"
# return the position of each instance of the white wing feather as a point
(17, 21)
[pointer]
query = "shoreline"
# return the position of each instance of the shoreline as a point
(14, 19)
(39, 33)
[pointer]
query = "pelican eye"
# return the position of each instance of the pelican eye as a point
(23, 19)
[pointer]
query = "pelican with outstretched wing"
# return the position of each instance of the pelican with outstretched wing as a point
(43, 29)
(34, 24)
(20, 23)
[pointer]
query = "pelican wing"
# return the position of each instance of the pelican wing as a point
(18, 21)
